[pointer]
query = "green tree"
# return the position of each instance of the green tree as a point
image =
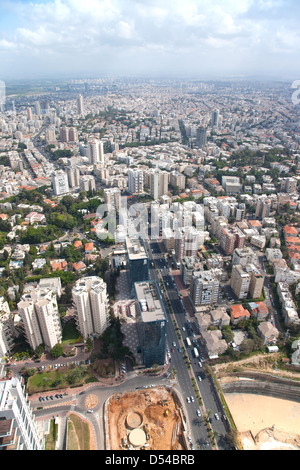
(57, 351)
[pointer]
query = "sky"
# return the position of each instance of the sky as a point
(205, 39)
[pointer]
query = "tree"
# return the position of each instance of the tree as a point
(57, 351)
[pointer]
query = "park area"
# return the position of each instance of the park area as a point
(148, 418)
(60, 378)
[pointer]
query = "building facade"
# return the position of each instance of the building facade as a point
(92, 308)
(151, 323)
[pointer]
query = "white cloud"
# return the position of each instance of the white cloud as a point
(117, 28)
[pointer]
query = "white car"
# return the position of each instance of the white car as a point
(192, 399)
(198, 413)
(188, 399)
(217, 416)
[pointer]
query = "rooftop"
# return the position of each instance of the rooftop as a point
(135, 248)
(149, 301)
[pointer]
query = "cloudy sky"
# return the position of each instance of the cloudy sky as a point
(193, 38)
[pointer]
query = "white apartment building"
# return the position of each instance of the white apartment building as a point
(38, 310)
(240, 281)
(73, 176)
(95, 152)
(60, 183)
(92, 310)
(80, 105)
(18, 428)
(6, 329)
(112, 197)
(136, 181)
(87, 183)
(186, 242)
(204, 288)
(159, 181)
(243, 256)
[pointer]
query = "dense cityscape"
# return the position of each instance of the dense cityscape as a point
(149, 228)
(149, 242)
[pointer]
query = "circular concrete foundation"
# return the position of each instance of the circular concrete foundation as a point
(134, 420)
(137, 437)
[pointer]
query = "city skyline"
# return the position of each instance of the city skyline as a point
(56, 38)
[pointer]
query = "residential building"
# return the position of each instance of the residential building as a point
(263, 208)
(177, 179)
(18, 427)
(159, 181)
(238, 313)
(80, 105)
(201, 137)
(92, 309)
(268, 332)
(188, 265)
(243, 256)
(136, 181)
(231, 238)
(38, 310)
(247, 281)
(60, 183)
(240, 281)
(112, 198)
(186, 242)
(73, 176)
(288, 185)
(204, 288)
(6, 329)
(95, 152)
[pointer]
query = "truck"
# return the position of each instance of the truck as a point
(196, 353)
(188, 342)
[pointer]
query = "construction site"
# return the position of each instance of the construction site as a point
(145, 419)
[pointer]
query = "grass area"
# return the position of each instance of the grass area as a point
(50, 439)
(78, 434)
(59, 378)
(70, 334)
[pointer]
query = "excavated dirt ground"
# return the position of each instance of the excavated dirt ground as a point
(161, 419)
(264, 423)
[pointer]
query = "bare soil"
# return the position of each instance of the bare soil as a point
(161, 419)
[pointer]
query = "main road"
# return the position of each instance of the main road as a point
(159, 269)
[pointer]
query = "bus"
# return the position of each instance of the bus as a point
(196, 354)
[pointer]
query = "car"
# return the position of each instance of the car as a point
(173, 350)
(179, 349)
(174, 344)
(41, 398)
(183, 329)
(198, 412)
(81, 393)
(192, 399)
(188, 400)
(199, 363)
(199, 378)
(90, 411)
(217, 416)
